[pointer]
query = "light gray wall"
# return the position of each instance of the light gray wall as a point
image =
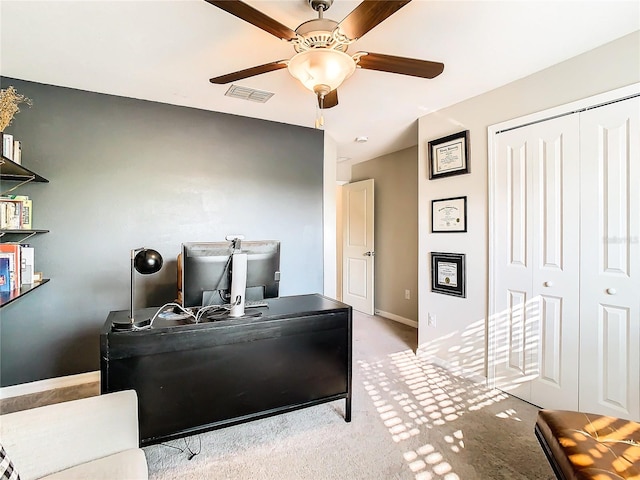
(459, 337)
(396, 230)
(126, 173)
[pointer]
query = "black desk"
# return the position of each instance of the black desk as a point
(196, 377)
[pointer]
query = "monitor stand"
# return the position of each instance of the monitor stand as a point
(238, 284)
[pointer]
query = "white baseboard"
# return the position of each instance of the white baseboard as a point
(48, 384)
(397, 318)
(455, 369)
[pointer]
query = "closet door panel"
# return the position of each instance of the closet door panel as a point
(610, 265)
(556, 259)
(517, 207)
(512, 261)
(551, 340)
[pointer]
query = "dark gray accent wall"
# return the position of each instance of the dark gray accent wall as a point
(127, 173)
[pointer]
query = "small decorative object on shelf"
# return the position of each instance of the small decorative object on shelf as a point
(9, 101)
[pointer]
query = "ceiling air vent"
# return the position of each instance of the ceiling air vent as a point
(245, 93)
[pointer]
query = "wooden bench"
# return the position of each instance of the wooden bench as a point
(584, 446)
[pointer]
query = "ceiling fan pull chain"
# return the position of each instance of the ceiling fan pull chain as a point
(319, 115)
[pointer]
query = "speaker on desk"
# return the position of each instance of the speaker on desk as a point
(144, 261)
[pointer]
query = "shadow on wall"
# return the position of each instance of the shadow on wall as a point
(464, 356)
(513, 347)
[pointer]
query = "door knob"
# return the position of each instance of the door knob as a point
(611, 291)
(369, 254)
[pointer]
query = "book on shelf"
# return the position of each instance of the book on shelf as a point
(10, 213)
(26, 217)
(17, 152)
(12, 252)
(5, 275)
(27, 257)
(16, 212)
(7, 145)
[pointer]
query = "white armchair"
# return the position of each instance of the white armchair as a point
(94, 437)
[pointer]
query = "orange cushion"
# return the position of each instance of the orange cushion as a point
(589, 446)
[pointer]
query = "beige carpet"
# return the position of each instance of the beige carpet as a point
(411, 420)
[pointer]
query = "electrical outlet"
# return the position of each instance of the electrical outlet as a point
(431, 319)
(407, 294)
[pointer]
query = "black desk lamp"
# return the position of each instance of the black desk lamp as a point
(145, 261)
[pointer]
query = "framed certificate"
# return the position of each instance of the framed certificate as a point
(449, 155)
(449, 215)
(447, 273)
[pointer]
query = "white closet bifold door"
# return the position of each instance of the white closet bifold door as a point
(536, 262)
(610, 263)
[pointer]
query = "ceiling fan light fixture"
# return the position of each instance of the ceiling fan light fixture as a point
(321, 66)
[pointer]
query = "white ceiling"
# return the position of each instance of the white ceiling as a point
(166, 51)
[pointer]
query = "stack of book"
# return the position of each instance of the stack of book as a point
(16, 212)
(16, 266)
(11, 149)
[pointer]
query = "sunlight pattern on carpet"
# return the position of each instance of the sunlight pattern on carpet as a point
(413, 396)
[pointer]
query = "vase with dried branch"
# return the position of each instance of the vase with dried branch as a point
(9, 101)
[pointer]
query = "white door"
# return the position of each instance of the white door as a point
(358, 246)
(610, 281)
(536, 262)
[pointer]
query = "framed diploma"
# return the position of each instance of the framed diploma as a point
(449, 155)
(449, 215)
(447, 274)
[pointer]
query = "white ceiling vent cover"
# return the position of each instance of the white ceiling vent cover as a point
(245, 93)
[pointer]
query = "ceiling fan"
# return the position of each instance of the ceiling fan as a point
(321, 63)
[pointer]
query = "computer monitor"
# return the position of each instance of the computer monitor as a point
(207, 273)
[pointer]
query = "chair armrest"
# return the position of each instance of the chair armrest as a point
(48, 439)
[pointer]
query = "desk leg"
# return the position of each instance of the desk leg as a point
(347, 409)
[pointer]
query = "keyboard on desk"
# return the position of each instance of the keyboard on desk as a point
(247, 304)
(255, 303)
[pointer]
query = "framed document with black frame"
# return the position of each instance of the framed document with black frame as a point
(449, 155)
(448, 274)
(449, 215)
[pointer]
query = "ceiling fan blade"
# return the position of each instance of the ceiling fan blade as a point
(330, 100)
(254, 17)
(367, 15)
(249, 72)
(402, 65)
